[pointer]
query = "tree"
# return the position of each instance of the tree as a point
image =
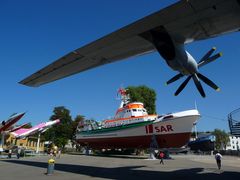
(222, 138)
(145, 95)
(74, 127)
(61, 133)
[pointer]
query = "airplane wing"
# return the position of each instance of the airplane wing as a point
(23, 132)
(185, 21)
(18, 127)
(5, 125)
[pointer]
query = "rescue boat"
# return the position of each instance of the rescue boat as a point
(133, 127)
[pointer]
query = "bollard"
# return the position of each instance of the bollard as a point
(50, 168)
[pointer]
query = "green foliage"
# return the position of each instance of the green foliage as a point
(61, 133)
(145, 95)
(75, 123)
(222, 138)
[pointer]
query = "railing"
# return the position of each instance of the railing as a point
(234, 122)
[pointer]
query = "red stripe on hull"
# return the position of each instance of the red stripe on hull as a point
(146, 128)
(150, 126)
(164, 141)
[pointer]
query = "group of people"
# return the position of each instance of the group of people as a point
(18, 153)
(218, 158)
(55, 152)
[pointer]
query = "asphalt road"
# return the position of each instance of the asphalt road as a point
(71, 167)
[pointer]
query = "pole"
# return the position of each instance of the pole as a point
(2, 139)
(38, 143)
(196, 130)
(50, 168)
(153, 146)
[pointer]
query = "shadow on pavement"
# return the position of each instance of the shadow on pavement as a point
(132, 172)
(121, 156)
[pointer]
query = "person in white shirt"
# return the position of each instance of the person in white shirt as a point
(218, 158)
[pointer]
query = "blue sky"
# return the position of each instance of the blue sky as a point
(36, 33)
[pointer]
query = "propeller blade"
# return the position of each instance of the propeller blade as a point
(208, 82)
(182, 86)
(208, 54)
(211, 59)
(198, 85)
(175, 78)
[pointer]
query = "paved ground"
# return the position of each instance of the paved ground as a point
(71, 167)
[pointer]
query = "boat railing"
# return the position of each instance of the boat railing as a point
(88, 125)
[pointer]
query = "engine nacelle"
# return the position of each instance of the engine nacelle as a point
(174, 53)
(183, 61)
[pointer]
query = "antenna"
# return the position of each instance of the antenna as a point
(124, 96)
(195, 104)
(118, 97)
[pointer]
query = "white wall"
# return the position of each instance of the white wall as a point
(234, 143)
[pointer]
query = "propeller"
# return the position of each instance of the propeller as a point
(207, 58)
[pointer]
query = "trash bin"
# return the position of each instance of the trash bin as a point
(50, 169)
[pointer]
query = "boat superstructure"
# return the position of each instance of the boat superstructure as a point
(128, 113)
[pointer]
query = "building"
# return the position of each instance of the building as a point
(29, 143)
(234, 143)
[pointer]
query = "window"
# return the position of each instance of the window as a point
(134, 110)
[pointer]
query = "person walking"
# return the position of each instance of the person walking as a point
(10, 153)
(161, 156)
(18, 153)
(59, 153)
(218, 158)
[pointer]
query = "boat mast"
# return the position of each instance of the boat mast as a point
(124, 97)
